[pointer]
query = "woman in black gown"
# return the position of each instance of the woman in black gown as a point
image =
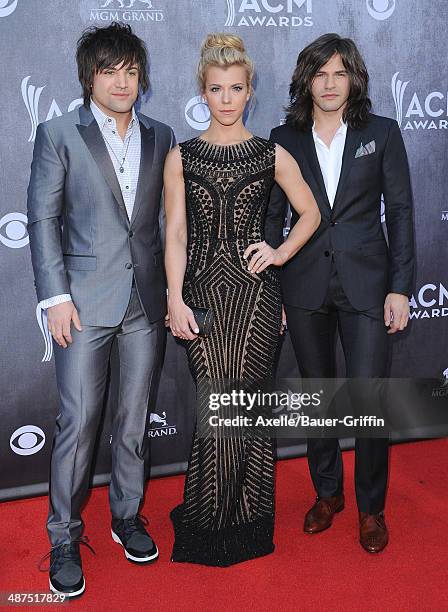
(216, 193)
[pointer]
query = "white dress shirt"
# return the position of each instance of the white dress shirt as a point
(130, 149)
(330, 159)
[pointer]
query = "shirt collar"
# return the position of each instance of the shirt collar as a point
(342, 129)
(104, 120)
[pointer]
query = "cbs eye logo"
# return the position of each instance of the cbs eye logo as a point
(380, 9)
(27, 440)
(197, 113)
(15, 233)
(7, 7)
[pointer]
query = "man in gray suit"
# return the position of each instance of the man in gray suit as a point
(93, 210)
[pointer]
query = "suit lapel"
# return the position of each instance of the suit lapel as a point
(352, 141)
(91, 134)
(146, 164)
(309, 149)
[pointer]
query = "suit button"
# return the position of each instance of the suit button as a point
(131, 233)
(327, 253)
(128, 266)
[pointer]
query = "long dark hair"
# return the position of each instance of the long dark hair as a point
(100, 48)
(309, 62)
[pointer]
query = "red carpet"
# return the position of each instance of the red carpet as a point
(325, 571)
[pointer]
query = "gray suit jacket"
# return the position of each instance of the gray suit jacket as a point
(81, 239)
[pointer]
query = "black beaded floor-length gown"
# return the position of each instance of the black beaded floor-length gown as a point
(227, 514)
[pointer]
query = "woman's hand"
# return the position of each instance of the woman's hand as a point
(264, 256)
(283, 326)
(181, 319)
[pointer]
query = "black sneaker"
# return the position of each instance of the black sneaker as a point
(66, 577)
(136, 541)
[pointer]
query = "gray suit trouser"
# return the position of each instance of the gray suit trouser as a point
(81, 373)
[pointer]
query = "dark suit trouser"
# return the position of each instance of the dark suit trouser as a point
(364, 341)
(81, 372)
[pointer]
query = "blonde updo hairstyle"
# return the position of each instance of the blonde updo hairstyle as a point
(224, 50)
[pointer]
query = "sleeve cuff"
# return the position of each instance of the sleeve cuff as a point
(53, 301)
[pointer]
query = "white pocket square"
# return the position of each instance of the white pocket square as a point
(367, 149)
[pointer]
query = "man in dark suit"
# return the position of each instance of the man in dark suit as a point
(94, 201)
(346, 278)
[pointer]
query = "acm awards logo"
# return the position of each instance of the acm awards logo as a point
(160, 428)
(263, 13)
(380, 9)
(42, 321)
(121, 10)
(27, 440)
(7, 7)
(420, 111)
(430, 302)
(31, 98)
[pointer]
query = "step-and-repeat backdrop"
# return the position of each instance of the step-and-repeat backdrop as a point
(404, 45)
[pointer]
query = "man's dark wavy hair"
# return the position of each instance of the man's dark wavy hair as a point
(309, 62)
(100, 48)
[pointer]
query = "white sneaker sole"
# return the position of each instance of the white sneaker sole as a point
(74, 594)
(152, 557)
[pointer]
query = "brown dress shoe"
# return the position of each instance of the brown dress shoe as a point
(373, 534)
(321, 514)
